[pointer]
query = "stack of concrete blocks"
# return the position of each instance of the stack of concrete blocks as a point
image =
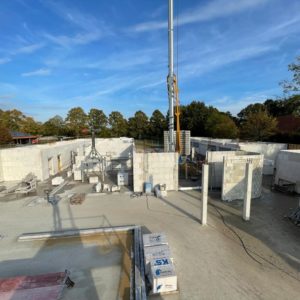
(159, 263)
(288, 168)
(234, 176)
(156, 168)
(185, 141)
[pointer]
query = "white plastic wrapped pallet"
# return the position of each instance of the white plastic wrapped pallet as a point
(154, 239)
(163, 279)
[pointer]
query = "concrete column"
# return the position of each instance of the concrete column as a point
(204, 194)
(248, 192)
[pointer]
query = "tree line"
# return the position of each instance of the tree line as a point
(258, 121)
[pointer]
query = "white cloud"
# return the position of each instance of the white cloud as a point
(213, 10)
(78, 39)
(39, 72)
(29, 49)
(91, 29)
(4, 60)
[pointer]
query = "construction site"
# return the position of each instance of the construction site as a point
(109, 218)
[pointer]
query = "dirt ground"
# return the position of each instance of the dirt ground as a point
(227, 259)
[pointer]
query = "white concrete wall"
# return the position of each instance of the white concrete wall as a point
(62, 150)
(17, 162)
(269, 150)
(1, 170)
(234, 177)
(288, 166)
(115, 147)
(157, 168)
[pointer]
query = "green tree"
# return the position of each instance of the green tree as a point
(5, 136)
(251, 109)
(12, 119)
(138, 126)
(29, 125)
(294, 84)
(220, 125)
(118, 124)
(54, 126)
(76, 120)
(258, 126)
(157, 124)
(97, 119)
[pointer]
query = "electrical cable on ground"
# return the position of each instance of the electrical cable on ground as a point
(236, 234)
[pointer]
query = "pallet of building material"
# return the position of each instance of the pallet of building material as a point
(294, 216)
(163, 279)
(77, 199)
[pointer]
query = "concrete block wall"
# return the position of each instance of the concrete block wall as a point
(215, 160)
(157, 168)
(17, 162)
(115, 147)
(288, 166)
(52, 153)
(234, 176)
(269, 150)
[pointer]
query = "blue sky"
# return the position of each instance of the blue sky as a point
(112, 55)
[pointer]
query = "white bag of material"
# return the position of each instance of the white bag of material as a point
(157, 252)
(154, 239)
(163, 279)
(98, 187)
(57, 180)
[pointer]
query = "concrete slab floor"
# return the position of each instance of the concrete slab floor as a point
(210, 260)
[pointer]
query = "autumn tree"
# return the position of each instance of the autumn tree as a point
(118, 124)
(251, 109)
(29, 125)
(12, 119)
(76, 120)
(258, 126)
(5, 136)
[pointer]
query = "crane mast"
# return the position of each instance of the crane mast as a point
(172, 86)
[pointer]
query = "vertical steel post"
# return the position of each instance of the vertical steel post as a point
(171, 91)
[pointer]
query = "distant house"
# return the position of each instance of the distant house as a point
(21, 138)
